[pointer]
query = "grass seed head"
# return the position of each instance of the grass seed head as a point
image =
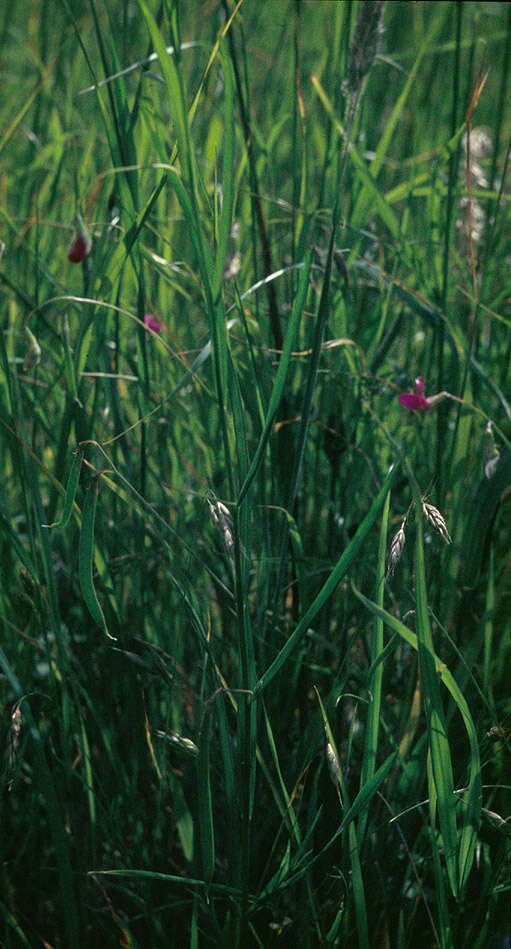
(221, 517)
(33, 352)
(491, 453)
(179, 742)
(232, 266)
(432, 514)
(364, 45)
(333, 764)
(396, 549)
(11, 749)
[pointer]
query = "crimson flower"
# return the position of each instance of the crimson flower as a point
(415, 401)
(152, 324)
(81, 244)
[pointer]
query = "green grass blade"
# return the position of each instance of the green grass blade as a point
(472, 799)
(376, 669)
(360, 804)
(489, 624)
(9, 132)
(225, 222)
(11, 922)
(365, 174)
(359, 897)
(12, 537)
(364, 201)
(331, 741)
(71, 489)
(184, 881)
(89, 786)
(183, 817)
(175, 92)
(288, 810)
(280, 379)
(441, 763)
(341, 568)
(438, 870)
(86, 556)
(56, 815)
(481, 517)
(206, 828)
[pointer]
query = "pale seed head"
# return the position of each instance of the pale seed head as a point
(432, 514)
(333, 764)
(396, 549)
(221, 517)
(33, 352)
(365, 44)
(491, 453)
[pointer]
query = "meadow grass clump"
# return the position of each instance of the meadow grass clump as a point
(255, 589)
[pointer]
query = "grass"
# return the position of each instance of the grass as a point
(228, 718)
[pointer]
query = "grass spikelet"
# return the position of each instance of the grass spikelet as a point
(221, 517)
(364, 45)
(333, 764)
(11, 748)
(432, 514)
(491, 452)
(396, 549)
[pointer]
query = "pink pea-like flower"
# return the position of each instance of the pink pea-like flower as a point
(151, 323)
(81, 244)
(415, 401)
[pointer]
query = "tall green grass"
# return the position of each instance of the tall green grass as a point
(239, 708)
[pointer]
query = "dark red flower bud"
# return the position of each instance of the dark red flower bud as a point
(80, 246)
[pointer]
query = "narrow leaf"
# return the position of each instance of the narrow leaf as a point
(441, 763)
(206, 829)
(376, 676)
(280, 379)
(71, 489)
(341, 568)
(86, 556)
(472, 798)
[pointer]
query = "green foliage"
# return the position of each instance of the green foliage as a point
(311, 200)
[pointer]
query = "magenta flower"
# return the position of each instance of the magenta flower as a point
(81, 244)
(415, 401)
(152, 324)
